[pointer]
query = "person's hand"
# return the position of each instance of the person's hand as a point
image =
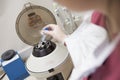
(54, 31)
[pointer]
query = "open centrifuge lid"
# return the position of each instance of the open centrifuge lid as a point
(31, 35)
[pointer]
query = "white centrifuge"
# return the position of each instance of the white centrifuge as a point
(49, 60)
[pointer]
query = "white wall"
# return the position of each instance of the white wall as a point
(9, 10)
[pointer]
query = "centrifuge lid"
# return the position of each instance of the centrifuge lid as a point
(31, 34)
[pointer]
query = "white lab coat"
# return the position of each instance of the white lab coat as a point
(82, 44)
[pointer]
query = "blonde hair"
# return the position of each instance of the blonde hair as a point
(113, 17)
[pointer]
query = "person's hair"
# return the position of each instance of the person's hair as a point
(112, 13)
(110, 4)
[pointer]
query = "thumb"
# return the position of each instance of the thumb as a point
(50, 33)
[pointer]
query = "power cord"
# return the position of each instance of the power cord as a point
(2, 76)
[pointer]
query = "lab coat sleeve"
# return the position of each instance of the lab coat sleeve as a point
(82, 45)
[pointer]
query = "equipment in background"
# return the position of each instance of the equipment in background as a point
(69, 21)
(13, 66)
(49, 60)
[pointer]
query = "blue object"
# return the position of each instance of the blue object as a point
(15, 68)
(48, 28)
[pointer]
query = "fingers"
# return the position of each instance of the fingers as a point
(54, 31)
(47, 32)
(50, 27)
